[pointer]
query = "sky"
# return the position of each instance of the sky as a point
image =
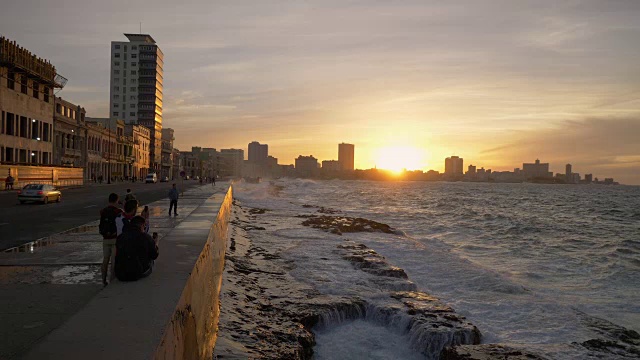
(497, 83)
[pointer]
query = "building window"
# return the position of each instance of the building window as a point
(132, 88)
(117, 46)
(125, 48)
(115, 113)
(116, 105)
(134, 64)
(23, 84)
(11, 80)
(133, 81)
(117, 55)
(46, 132)
(11, 124)
(133, 72)
(133, 106)
(134, 47)
(45, 91)
(116, 72)
(24, 127)
(116, 88)
(2, 124)
(35, 133)
(134, 56)
(133, 97)
(117, 63)
(36, 90)
(116, 97)
(132, 114)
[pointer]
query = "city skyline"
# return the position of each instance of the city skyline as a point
(555, 82)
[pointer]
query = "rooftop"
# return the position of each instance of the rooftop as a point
(140, 37)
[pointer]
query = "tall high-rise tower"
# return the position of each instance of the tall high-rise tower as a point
(136, 87)
(453, 166)
(345, 156)
(258, 153)
(568, 174)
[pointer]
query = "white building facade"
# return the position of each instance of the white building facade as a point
(136, 88)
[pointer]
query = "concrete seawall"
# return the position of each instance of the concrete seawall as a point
(173, 314)
(191, 333)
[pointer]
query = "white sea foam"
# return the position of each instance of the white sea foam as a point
(520, 261)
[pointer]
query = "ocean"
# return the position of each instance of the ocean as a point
(542, 266)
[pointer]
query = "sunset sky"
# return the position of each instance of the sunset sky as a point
(495, 82)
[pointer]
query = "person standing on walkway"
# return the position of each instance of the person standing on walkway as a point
(173, 200)
(109, 232)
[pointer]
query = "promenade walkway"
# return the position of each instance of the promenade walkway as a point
(46, 282)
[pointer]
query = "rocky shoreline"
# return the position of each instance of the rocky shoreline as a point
(271, 305)
(266, 313)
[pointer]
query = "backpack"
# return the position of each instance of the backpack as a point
(129, 196)
(108, 221)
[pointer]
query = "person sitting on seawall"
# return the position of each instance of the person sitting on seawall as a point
(130, 210)
(135, 252)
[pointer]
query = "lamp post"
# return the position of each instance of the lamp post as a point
(109, 157)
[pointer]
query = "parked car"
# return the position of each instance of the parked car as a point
(39, 192)
(151, 178)
(165, 179)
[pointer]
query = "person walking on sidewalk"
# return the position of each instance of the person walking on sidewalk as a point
(129, 196)
(173, 200)
(109, 232)
(8, 183)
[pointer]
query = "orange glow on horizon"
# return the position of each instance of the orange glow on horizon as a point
(398, 158)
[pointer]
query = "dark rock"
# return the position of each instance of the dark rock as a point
(345, 224)
(487, 352)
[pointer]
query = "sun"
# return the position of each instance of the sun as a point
(398, 158)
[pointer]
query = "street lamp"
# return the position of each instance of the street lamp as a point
(109, 157)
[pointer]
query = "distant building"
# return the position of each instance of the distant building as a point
(453, 166)
(26, 106)
(536, 170)
(306, 166)
(141, 136)
(70, 135)
(136, 87)
(177, 166)
(231, 162)
(345, 156)
(588, 178)
(568, 177)
(258, 153)
(120, 159)
(331, 165)
(167, 153)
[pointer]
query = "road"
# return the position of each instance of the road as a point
(20, 224)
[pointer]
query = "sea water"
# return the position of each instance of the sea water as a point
(529, 264)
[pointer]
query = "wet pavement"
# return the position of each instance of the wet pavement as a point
(44, 282)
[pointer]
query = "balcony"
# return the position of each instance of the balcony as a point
(75, 153)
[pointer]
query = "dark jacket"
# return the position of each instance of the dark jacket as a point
(134, 252)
